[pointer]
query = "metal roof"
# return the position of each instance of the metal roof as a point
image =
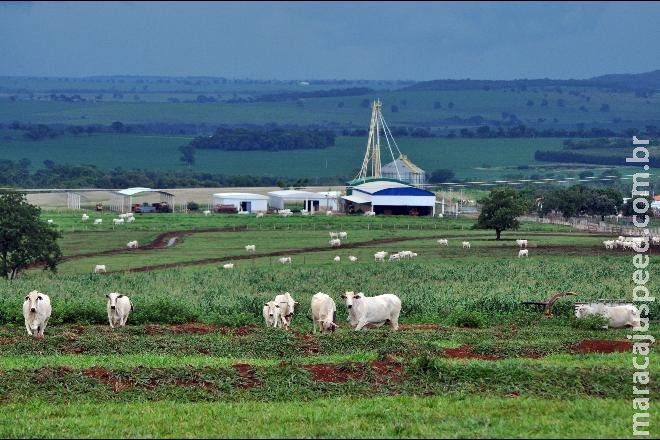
(252, 196)
(358, 198)
(402, 163)
(386, 188)
(139, 190)
(294, 194)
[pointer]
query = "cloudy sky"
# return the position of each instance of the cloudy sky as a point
(287, 40)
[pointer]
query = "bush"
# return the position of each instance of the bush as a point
(467, 318)
(192, 206)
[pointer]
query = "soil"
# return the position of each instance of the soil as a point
(602, 346)
(193, 327)
(247, 377)
(419, 327)
(384, 371)
(465, 352)
(308, 343)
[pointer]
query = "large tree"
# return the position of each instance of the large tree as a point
(25, 239)
(500, 209)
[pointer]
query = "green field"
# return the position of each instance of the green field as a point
(468, 158)
(469, 360)
(415, 108)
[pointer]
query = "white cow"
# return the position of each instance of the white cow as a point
(117, 221)
(335, 242)
(370, 213)
(366, 312)
(260, 214)
(655, 240)
(99, 268)
(466, 245)
(609, 244)
(522, 243)
(85, 217)
(130, 219)
(228, 266)
(352, 258)
(287, 305)
(337, 259)
(132, 244)
(395, 257)
(119, 307)
(244, 212)
(618, 316)
(250, 248)
(36, 311)
(380, 256)
(343, 234)
(285, 260)
(50, 221)
(271, 313)
(207, 212)
(98, 221)
(523, 253)
(334, 234)
(324, 312)
(443, 241)
(328, 213)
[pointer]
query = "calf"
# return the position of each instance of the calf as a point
(271, 314)
(337, 259)
(352, 258)
(443, 241)
(132, 244)
(523, 253)
(119, 307)
(36, 311)
(335, 242)
(285, 260)
(250, 248)
(372, 312)
(324, 313)
(99, 268)
(287, 305)
(466, 245)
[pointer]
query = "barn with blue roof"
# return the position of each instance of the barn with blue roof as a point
(388, 197)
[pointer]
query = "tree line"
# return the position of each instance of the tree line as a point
(18, 174)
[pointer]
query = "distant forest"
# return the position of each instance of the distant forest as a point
(18, 175)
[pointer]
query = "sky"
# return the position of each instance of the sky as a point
(330, 40)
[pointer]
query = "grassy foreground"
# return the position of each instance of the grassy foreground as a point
(456, 417)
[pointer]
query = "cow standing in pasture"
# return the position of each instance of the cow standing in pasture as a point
(367, 312)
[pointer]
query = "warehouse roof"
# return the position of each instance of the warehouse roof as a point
(252, 196)
(139, 190)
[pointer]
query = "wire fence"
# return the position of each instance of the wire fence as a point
(591, 225)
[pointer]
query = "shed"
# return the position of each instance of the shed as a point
(248, 202)
(122, 200)
(389, 196)
(311, 201)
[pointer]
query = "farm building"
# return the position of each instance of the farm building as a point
(404, 170)
(311, 201)
(248, 202)
(122, 200)
(389, 197)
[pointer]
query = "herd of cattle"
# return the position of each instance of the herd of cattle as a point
(629, 242)
(363, 311)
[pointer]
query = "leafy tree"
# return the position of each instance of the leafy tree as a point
(187, 154)
(441, 176)
(499, 211)
(25, 239)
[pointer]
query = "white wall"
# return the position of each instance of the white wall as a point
(404, 200)
(257, 205)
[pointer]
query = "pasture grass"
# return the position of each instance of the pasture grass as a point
(381, 417)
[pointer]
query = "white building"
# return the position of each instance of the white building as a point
(311, 201)
(389, 197)
(242, 201)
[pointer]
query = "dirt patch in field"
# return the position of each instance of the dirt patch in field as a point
(383, 372)
(602, 346)
(9, 341)
(308, 343)
(194, 327)
(71, 350)
(247, 378)
(465, 352)
(106, 377)
(243, 330)
(336, 373)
